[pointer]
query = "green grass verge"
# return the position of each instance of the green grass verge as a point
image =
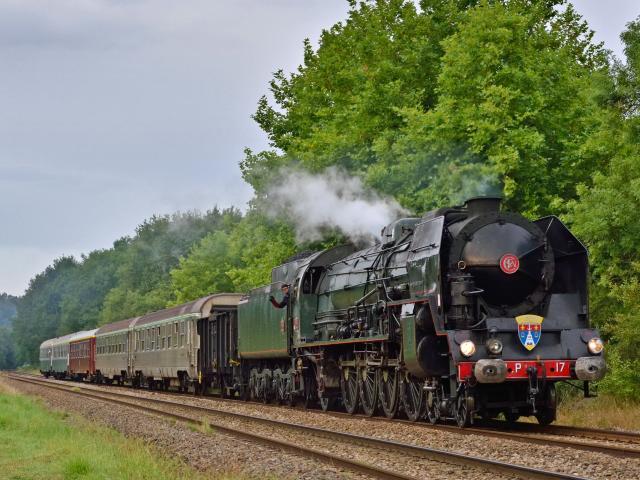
(603, 411)
(36, 443)
(34, 370)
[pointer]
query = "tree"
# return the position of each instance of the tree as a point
(205, 269)
(260, 243)
(7, 353)
(604, 218)
(454, 98)
(519, 101)
(39, 310)
(143, 273)
(7, 308)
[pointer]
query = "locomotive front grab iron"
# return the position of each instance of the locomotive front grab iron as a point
(466, 311)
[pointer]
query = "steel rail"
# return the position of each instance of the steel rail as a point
(491, 466)
(568, 430)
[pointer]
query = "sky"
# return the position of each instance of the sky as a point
(114, 110)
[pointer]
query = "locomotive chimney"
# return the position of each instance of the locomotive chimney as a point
(482, 205)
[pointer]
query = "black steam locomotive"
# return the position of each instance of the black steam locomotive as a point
(466, 311)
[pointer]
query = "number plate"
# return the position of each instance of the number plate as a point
(517, 370)
(552, 368)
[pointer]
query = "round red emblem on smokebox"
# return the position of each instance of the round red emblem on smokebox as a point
(509, 263)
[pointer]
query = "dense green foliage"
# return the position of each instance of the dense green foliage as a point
(508, 93)
(131, 278)
(7, 308)
(605, 218)
(429, 103)
(7, 313)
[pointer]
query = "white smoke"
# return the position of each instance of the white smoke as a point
(318, 203)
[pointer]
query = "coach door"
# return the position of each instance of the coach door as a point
(227, 339)
(207, 330)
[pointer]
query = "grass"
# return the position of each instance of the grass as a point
(603, 411)
(201, 427)
(29, 369)
(36, 443)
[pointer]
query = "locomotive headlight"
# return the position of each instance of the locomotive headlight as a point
(595, 346)
(494, 346)
(467, 348)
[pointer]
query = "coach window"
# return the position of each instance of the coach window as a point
(175, 334)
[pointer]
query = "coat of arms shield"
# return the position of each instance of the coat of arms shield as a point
(529, 330)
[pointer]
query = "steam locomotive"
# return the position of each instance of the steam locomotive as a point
(467, 311)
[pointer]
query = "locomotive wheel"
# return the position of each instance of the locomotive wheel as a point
(266, 382)
(278, 386)
(547, 414)
(289, 396)
(413, 398)
(369, 390)
(349, 386)
(463, 410)
(433, 408)
(389, 391)
(310, 389)
(253, 384)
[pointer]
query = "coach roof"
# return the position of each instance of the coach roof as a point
(201, 307)
(117, 326)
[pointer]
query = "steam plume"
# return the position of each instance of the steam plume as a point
(331, 200)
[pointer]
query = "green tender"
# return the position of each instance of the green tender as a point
(263, 330)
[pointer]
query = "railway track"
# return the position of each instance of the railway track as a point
(621, 444)
(407, 450)
(566, 430)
